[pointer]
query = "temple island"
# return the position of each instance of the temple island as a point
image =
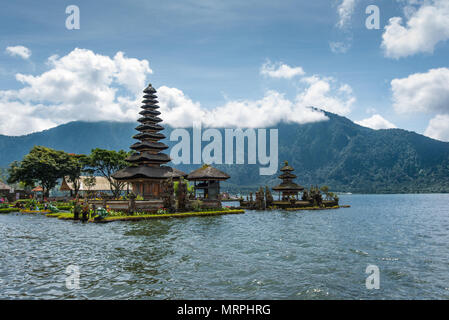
(153, 184)
(155, 187)
(288, 195)
(156, 190)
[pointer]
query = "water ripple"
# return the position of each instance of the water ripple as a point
(259, 255)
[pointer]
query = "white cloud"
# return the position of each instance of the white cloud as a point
(339, 46)
(422, 92)
(376, 122)
(345, 11)
(19, 51)
(86, 86)
(325, 93)
(180, 111)
(79, 86)
(424, 28)
(280, 70)
(438, 128)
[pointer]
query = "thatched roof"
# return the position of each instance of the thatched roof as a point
(147, 172)
(101, 184)
(207, 172)
(4, 186)
(290, 186)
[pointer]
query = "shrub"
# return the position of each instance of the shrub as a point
(197, 204)
(64, 207)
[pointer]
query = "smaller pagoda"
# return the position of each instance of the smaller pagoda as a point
(288, 189)
(207, 184)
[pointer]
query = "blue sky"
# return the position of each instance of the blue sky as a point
(212, 52)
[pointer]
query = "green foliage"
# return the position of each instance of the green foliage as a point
(337, 153)
(106, 163)
(89, 182)
(64, 208)
(190, 187)
(42, 165)
(197, 205)
(75, 165)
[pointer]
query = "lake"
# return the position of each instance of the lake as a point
(257, 255)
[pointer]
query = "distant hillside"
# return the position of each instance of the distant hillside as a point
(337, 152)
(76, 137)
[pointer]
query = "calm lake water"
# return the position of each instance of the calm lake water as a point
(257, 255)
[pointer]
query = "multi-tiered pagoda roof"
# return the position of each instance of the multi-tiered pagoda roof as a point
(148, 160)
(287, 186)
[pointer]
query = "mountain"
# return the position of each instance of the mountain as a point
(337, 152)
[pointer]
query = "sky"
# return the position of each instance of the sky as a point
(227, 63)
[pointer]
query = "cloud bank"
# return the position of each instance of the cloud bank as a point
(79, 86)
(422, 92)
(426, 93)
(83, 85)
(423, 29)
(376, 122)
(438, 128)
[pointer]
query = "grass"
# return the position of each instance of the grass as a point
(315, 208)
(69, 216)
(63, 215)
(8, 210)
(64, 208)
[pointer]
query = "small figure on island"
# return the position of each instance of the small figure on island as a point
(268, 197)
(305, 195)
(94, 210)
(167, 194)
(260, 199)
(182, 195)
(76, 209)
(86, 211)
(132, 203)
(315, 196)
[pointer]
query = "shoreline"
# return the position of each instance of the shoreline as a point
(69, 216)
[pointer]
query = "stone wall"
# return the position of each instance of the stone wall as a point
(123, 205)
(146, 205)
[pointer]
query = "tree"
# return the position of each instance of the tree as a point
(74, 166)
(106, 163)
(325, 190)
(89, 182)
(42, 165)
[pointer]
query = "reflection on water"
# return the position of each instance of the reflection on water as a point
(258, 255)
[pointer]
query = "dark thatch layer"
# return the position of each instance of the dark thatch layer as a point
(288, 187)
(207, 173)
(142, 171)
